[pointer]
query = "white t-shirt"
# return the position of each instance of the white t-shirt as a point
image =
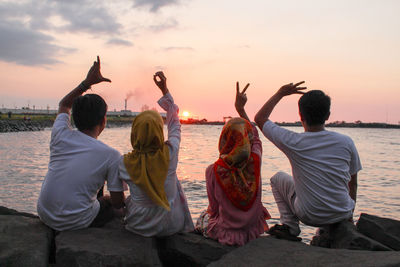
(79, 165)
(322, 165)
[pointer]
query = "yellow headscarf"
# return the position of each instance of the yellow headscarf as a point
(148, 162)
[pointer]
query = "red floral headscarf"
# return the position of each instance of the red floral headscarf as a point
(238, 170)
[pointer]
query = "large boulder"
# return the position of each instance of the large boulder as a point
(24, 241)
(344, 235)
(383, 230)
(105, 247)
(269, 251)
(189, 249)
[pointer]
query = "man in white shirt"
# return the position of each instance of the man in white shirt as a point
(323, 188)
(80, 164)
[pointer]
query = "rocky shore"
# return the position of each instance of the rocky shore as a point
(39, 125)
(24, 125)
(26, 241)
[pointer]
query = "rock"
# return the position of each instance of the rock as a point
(189, 249)
(268, 251)
(344, 235)
(7, 211)
(24, 241)
(105, 247)
(383, 230)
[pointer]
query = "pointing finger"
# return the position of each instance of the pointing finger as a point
(98, 59)
(237, 87)
(245, 88)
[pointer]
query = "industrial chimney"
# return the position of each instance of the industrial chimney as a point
(126, 100)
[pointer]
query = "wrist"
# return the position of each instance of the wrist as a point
(84, 86)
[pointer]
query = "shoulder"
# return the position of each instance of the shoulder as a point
(62, 121)
(210, 171)
(341, 137)
(108, 151)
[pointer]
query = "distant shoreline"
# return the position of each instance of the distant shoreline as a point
(38, 124)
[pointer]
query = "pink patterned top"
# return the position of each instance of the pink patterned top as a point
(228, 224)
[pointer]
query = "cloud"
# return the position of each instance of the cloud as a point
(169, 24)
(79, 16)
(120, 42)
(154, 5)
(177, 48)
(22, 26)
(27, 47)
(86, 16)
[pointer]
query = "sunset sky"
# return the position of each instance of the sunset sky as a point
(348, 48)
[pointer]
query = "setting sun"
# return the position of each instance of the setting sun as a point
(185, 114)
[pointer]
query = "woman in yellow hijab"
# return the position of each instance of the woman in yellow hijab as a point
(157, 205)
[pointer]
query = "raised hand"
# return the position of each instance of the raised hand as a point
(161, 81)
(289, 89)
(241, 100)
(94, 75)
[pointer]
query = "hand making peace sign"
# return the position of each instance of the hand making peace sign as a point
(241, 97)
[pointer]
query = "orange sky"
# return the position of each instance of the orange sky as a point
(349, 49)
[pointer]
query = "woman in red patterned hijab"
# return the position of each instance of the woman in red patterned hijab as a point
(237, 170)
(235, 214)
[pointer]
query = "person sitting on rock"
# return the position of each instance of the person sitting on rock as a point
(157, 205)
(235, 214)
(79, 163)
(323, 188)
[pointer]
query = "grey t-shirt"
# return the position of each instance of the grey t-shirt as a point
(322, 165)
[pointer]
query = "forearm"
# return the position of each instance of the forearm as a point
(264, 113)
(65, 104)
(242, 113)
(353, 187)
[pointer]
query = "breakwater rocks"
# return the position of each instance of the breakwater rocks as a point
(24, 125)
(39, 125)
(25, 241)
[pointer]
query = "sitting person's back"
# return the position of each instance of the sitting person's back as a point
(157, 205)
(325, 164)
(235, 214)
(79, 164)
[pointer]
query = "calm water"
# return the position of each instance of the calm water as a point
(24, 157)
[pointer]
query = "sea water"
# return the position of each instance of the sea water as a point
(24, 158)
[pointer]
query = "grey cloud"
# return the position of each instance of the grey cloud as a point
(27, 47)
(80, 16)
(154, 5)
(21, 24)
(120, 42)
(177, 48)
(86, 17)
(170, 24)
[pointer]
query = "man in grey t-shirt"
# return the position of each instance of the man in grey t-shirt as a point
(323, 188)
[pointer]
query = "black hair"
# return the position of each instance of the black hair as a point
(315, 107)
(88, 111)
